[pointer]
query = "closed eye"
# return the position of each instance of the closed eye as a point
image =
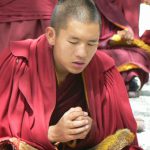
(73, 42)
(93, 44)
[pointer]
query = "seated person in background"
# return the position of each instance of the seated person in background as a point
(22, 19)
(132, 58)
(58, 91)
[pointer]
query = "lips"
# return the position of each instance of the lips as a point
(78, 64)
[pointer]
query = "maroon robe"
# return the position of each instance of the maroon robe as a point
(28, 95)
(118, 15)
(146, 37)
(22, 19)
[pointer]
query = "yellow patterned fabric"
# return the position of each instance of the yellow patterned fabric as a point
(117, 141)
(15, 144)
(126, 67)
(116, 40)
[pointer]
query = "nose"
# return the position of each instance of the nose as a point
(81, 51)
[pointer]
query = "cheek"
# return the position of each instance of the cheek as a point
(92, 52)
(65, 48)
(65, 54)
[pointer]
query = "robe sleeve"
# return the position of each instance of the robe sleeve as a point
(108, 101)
(117, 108)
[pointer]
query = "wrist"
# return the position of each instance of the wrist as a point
(51, 134)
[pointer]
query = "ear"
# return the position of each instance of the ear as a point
(51, 35)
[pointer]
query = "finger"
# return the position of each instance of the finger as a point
(85, 114)
(80, 118)
(79, 130)
(126, 36)
(78, 123)
(76, 109)
(129, 37)
(75, 114)
(129, 42)
(72, 109)
(79, 136)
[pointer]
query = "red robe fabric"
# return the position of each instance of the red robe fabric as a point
(69, 97)
(146, 37)
(22, 19)
(28, 95)
(121, 14)
(118, 15)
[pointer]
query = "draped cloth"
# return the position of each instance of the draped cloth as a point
(28, 95)
(119, 15)
(146, 37)
(122, 14)
(21, 19)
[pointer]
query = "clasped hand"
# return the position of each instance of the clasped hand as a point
(126, 35)
(74, 124)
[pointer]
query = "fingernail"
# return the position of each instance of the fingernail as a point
(85, 113)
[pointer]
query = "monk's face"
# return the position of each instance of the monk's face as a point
(75, 46)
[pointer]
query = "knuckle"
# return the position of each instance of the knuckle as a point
(70, 124)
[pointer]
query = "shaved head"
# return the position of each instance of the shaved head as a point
(84, 11)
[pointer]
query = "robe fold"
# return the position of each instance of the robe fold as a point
(146, 37)
(22, 19)
(29, 95)
(118, 15)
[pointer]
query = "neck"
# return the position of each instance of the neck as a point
(60, 73)
(60, 77)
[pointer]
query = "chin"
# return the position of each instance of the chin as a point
(76, 71)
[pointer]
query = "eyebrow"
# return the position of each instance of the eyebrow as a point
(93, 41)
(74, 38)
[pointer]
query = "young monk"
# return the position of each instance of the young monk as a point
(58, 91)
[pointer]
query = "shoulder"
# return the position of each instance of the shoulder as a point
(16, 49)
(24, 48)
(101, 64)
(20, 48)
(104, 60)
